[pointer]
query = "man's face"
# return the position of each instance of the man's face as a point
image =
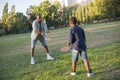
(38, 18)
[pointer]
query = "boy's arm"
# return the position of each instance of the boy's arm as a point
(83, 34)
(69, 38)
(68, 44)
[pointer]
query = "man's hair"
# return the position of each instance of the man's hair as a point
(73, 19)
(39, 15)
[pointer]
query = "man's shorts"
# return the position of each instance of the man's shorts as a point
(41, 40)
(75, 54)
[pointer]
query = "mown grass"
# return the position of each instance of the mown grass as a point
(103, 51)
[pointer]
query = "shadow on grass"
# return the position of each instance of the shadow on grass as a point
(113, 74)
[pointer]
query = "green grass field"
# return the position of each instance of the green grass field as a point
(103, 42)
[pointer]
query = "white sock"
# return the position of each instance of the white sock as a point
(32, 57)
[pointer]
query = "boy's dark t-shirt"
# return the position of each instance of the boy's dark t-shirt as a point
(76, 38)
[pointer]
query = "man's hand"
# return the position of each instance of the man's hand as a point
(49, 32)
(40, 33)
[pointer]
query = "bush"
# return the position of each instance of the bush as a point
(2, 32)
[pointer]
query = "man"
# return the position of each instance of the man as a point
(38, 34)
(77, 42)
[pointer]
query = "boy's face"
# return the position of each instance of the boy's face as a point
(71, 24)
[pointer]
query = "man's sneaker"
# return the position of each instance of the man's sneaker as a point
(73, 73)
(90, 74)
(50, 58)
(32, 60)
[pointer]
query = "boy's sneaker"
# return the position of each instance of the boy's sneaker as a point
(90, 74)
(73, 73)
(50, 58)
(32, 60)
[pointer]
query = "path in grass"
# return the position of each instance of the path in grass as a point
(103, 42)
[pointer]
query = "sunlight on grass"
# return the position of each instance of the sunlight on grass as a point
(103, 55)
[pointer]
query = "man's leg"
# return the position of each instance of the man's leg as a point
(43, 43)
(46, 49)
(32, 52)
(49, 57)
(33, 43)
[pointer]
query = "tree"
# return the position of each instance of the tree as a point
(10, 19)
(78, 14)
(21, 23)
(30, 13)
(50, 12)
(4, 17)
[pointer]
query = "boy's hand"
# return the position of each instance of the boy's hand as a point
(65, 49)
(68, 44)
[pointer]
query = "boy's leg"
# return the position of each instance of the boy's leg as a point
(85, 59)
(87, 66)
(74, 63)
(86, 63)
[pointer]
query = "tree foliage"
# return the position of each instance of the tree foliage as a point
(4, 17)
(13, 22)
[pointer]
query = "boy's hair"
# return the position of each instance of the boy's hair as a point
(73, 19)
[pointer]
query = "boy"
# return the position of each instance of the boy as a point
(38, 34)
(77, 42)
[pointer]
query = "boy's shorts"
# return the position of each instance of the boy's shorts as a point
(41, 40)
(75, 54)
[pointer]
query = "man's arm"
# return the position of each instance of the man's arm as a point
(35, 29)
(38, 32)
(46, 29)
